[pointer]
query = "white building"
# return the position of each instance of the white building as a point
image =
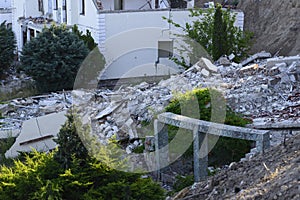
(131, 34)
(6, 12)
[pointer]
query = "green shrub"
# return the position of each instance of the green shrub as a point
(40, 176)
(226, 150)
(212, 31)
(53, 58)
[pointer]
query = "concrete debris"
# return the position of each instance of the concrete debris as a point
(279, 60)
(260, 55)
(267, 90)
(258, 91)
(16, 111)
(204, 62)
(38, 133)
(224, 61)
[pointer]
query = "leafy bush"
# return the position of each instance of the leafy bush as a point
(226, 150)
(7, 47)
(212, 30)
(53, 58)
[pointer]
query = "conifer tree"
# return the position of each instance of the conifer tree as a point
(219, 44)
(53, 58)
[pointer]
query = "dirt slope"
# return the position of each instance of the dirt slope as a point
(275, 23)
(275, 175)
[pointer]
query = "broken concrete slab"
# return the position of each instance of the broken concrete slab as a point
(286, 60)
(38, 133)
(260, 55)
(107, 111)
(207, 64)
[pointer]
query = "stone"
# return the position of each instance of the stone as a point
(231, 56)
(259, 55)
(205, 73)
(286, 60)
(224, 61)
(107, 111)
(207, 64)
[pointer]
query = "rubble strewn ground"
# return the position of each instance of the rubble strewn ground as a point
(264, 89)
(274, 175)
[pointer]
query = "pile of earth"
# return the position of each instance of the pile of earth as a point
(274, 175)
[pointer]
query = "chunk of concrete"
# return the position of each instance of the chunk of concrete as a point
(207, 64)
(107, 111)
(38, 133)
(259, 55)
(286, 60)
(205, 73)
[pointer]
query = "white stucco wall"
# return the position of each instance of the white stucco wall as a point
(130, 45)
(89, 19)
(5, 3)
(129, 41)
(18, 11)
(6, 15)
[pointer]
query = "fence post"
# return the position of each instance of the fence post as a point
(200, 155)
(161, 146)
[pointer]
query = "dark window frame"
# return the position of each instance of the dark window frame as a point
(82, 11)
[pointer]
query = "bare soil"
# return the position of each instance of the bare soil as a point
(275, 24)
(274, 175)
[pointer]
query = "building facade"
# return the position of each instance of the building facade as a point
(131, 34)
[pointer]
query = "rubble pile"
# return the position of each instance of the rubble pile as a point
(266, 91)
(18, 110)
(119, 113)
(262, 88)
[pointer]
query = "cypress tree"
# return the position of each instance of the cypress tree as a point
(219, 34)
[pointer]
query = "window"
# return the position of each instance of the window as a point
(82, 7)
(40, 2)
(165, 49)
(55, 4)
(118, 5)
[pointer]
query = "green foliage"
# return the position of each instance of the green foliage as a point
(87, 37)
(212, 30)
(53, 58)
(70, 144)
(41, 176)
(183, 182)
(226, 150)
(7, 47)
(5, 144)
(219, 37)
